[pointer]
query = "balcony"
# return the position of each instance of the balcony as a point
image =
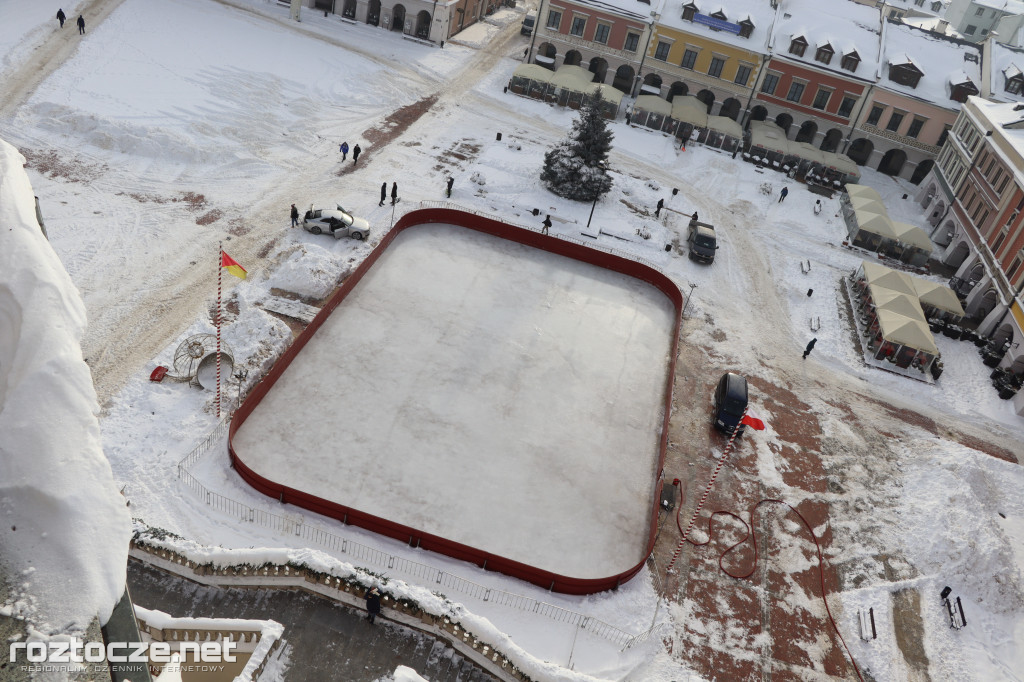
(902, 140)
(544, 33)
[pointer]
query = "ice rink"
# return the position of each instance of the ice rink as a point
(488, 392)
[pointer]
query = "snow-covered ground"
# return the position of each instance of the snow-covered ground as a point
(178, 125)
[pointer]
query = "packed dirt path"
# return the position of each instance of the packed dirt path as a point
(49, 54)
(121, 340)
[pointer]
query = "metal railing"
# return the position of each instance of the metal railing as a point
(370, 555)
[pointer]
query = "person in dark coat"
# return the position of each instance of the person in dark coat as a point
(547, 224)
(810, 347)
(344, 150)
(61, 17)
(383, 193)
(451, 181)
(661, 205)
(81, 25)
(783, 193)
(295, 216)
(355, 154)
(394, 193)
(372, 604)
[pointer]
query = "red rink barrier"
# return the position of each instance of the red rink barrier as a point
(428, 541)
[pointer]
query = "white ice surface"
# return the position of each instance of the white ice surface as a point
(493, 394)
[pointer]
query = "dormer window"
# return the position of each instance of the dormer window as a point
(905, 74)
(720, 15)
(851, 60)
(961, 91)
(797, 46)
(1015, 84)
(689, 9)
(746, 28)
(824, 54)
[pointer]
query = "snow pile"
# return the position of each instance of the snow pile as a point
(65, 528)
(403, 674)
(308, 270)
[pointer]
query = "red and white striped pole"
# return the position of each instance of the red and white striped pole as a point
(704, 497)
(220, 270)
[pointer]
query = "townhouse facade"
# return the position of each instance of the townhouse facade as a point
(974, 200)
(818, 75)
(423, 19)
(609, 39)
(924, 78)
(709, 51)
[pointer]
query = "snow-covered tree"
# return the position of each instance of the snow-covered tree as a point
(576, 168)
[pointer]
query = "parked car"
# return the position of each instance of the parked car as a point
(529, 21)
(337, 222)
(730, 402)
(702, 242)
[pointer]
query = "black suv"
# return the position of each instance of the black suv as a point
(730, 402)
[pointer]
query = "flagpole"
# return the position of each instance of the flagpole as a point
(220, 268)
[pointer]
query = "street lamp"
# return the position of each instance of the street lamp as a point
(687, 302)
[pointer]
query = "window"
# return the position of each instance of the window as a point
(554, 19)
(984, 31)
(999, 241)
(689, 10)
(824, 54)
(971, 28)
(742, 75)
(919, 3)
(715, 69)
(1002, 185)
(632, 42)
(821, 99)
(991, 165)
(689, 57)
(796, 91)
(601, 34)
(850, 61)
(771, 81)
(894, 121)
(961, 91)
(915, 127)
(797, 47)
(875, 115)
(846, 107)
(1013, 85)
(661, 52)
(905, 74)
(936, 6)
(1013, 268)
(746, 28)
(943, 136)
(980, 12)
(578, 26)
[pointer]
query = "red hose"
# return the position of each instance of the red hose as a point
(753, 567)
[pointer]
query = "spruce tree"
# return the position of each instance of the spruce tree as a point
(575, 168)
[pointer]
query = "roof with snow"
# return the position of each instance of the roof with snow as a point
(757, 12)
(638, 10)
(846, 26)
(1006, 73)
(943, 64)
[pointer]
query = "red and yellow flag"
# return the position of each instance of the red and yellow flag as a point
(229, 263)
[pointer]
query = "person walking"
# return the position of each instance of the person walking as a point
(355, 154)
(547, 224)
(61, 17)
(344, 150)
(783, 194)
(661, 205)
(295, 216)
(372, 604)
(81, 25)
(383, 193)
(810, 347)
(394, 193)
(817, 207)
(451, 181)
